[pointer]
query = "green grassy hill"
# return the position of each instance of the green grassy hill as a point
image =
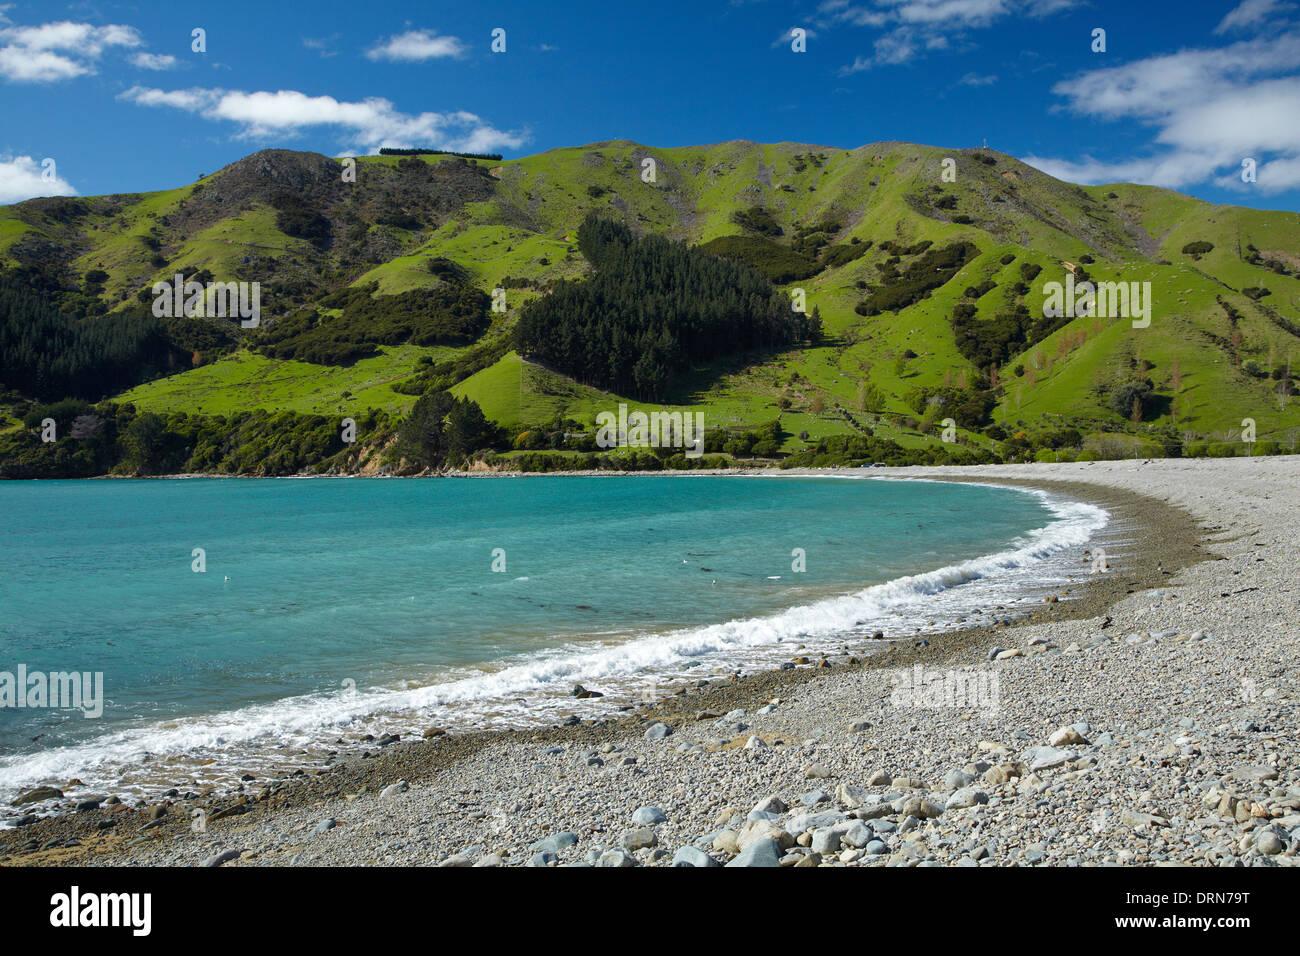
(1223, 344)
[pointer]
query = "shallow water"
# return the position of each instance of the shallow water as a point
(345, 606)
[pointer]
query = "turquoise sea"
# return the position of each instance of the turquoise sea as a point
(334, 608)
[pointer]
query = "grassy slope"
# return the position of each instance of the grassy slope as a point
(527, 230)
(245, 381)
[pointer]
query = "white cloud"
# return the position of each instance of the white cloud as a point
(975, 79)
(1162, 85)
(154, 61)
(1252, 13)
(58, 51)
(181, 99)
(1045, 8)
(367, 124)
(844, 11)
(973, 13)
(896, 47)
(74, 37)
(914, 26)
(322, 45)
(1261, 116)
(890, 49)
(21, 178)
(1171, 171)
(416, 45)
(37, 66)
(1209, 108)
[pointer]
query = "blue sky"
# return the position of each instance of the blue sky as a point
(115, 95)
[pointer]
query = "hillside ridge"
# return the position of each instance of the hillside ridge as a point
(861, 233)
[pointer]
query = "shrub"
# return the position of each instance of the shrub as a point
(840, 255)
(445, 268)
(778, 263)
(453, 312)
(991, 341)
(1122, 398)
(396, 218)
(116, 440)
(928, 272)
(963, 311)
(294, 218)
(1115, 448)
(898, 249)
(419, 151)
(757, 219)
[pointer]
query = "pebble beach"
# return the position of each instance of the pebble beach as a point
(1147, 718)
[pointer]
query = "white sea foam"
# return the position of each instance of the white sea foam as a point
(531, 689)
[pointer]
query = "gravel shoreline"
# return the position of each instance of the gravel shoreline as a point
(1149, 721)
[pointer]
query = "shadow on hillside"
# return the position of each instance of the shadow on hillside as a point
(690, 387)
(1158, 406)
